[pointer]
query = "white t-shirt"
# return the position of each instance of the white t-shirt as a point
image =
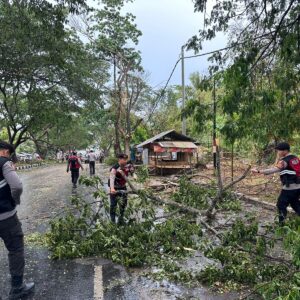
(92, 156)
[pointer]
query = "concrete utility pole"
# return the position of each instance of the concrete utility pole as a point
(215, 126)
(183, 90)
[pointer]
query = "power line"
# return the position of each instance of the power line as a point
(209, 53)
(171, 75)
(161, 94)
(201, 55)
(192, 56)
(236, 44)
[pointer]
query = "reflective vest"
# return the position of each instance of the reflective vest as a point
(291, 173)
(120, 182)
(7, 202)
(74, 162)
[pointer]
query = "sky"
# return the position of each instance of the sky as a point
(166, 26)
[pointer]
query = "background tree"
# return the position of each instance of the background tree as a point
(264, 25)
(261, 67)
(113, 35)
(43, 66)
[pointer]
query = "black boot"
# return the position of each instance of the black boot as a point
(20, 289)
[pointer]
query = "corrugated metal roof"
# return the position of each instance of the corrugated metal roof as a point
(160, 136)
(178, 144)
(153, 139)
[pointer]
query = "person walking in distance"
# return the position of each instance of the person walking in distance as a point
(92, 162)
(101, 156)
(10, 227)
(74, 164)
(288, 167)
(59, 155)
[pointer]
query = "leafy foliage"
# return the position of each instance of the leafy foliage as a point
(192, 195)
(258, 76)
(242, 258)
(265, 26)
(200, 197)
(47, 74)
(243, 248)
(111, 160)
(142, 173)
(82, 232)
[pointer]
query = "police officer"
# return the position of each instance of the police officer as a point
(10, 226)
(74, 164)
(288, 167)
(117, 184)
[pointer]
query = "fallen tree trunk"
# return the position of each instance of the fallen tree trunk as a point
(221, 191)
(182, 207)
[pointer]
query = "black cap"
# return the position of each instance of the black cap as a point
(283, 146)
(7, 146)
(122, 156)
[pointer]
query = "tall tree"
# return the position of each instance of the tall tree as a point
(113, 35)
(261, 66)
(43, 65)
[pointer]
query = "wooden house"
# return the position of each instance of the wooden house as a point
(168, 152)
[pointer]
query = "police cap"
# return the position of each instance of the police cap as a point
(283, 146)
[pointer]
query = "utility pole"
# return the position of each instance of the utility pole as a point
(215, 126)
(183, 90)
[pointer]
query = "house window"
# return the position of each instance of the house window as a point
(169, 156)
(174, 155)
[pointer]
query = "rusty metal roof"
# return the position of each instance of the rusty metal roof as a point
(178, 144)
(171, 134)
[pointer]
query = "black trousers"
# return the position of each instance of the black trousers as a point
(12, 235)
(115, 199)
(92, 167)
(74, 175)
(286, 198)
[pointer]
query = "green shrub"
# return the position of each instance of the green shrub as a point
(111, 160)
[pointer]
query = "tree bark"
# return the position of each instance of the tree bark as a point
(127, 145)
(220, 194)
(117, 145)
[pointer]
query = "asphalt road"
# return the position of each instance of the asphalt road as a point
(46, 193)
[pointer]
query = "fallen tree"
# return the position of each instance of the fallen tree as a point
(221, 191)
(243, 253)
(182, 207)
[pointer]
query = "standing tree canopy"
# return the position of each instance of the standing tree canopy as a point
(46, 72)
(267, 26)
